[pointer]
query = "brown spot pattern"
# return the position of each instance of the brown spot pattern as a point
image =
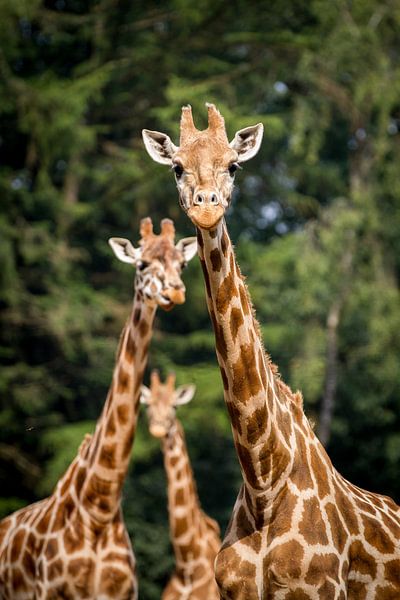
(246, 380)
(235, 416)
(391, 525)
(360, 560)
(130, 349)
(55, 569)
(136, 316)
(312, 526)
(256, 425)
(244, 301)
(73, 538)
(206, 277)
(243, 587)
(220, 342)
(143, 328)
(301, 475)
(80, 478)
(123, 413)
(59, 520)
(262, 368)
(110, 426)
(346, 508)
(226, 291)
(392, 572)
(322, 566)
(29, 565)
(376, 536)
(99, 485)
(319, 470)
(286, 560)
(107, 456)
(82, 571)
(51, 548)
(387, 593)
(246, 461)
(297, 594)
(225, 382)
(17, 545)
(123, 380)
(281, 519)
(339, 534)
(236, 321)
(215, 259)
(127, 446)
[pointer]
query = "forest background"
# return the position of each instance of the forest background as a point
(315, 220)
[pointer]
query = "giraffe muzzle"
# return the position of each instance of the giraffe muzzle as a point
(207, 215)
(175, 296)
(157, 431)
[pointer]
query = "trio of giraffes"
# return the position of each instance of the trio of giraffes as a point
(298, 530)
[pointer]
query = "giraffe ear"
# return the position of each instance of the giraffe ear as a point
(124, 250)
(145, 395)
(188, 247)
(184, 394)
(159, 146)
(247, 141)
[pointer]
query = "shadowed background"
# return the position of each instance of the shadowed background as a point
(315, 220)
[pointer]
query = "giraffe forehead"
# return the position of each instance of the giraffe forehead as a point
(161, 399)
(161, 249)
(206, 151)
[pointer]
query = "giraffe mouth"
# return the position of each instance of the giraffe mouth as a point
(165, 303)
(206, 217)
(170, 297)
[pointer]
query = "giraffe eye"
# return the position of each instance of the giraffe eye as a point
(178, 170)
(233, 168)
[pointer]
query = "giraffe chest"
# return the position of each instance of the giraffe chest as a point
(277, 564)
(68, 564)
(281, 565)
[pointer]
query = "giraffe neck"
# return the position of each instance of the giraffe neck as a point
(183, 503)
(100, 478)
(262, 409)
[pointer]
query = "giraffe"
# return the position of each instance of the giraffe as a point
(194, 535)
(74, 543)
(298, 529)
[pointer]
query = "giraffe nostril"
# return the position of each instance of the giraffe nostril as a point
(199, 199)
(214, 199)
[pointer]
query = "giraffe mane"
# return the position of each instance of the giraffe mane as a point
(294, 398)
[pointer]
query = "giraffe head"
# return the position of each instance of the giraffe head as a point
(161, 400)
(158, 261)
(204, 163)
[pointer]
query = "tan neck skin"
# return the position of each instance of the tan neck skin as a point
(260, 406)
(183, 504)
(100, 482)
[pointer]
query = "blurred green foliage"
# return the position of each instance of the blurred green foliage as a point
(315, 218)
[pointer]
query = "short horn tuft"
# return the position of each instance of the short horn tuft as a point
(170, 381)
(188, 129)
(154, 379)
(216, 122)
(146, 228)
(168, 229)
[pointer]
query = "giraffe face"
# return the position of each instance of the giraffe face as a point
(205, 163)
(161, 400)
(159, 263)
